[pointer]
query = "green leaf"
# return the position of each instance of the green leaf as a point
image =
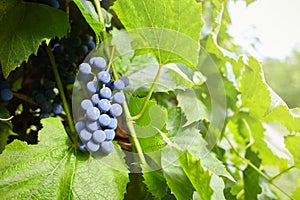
(160, 21)
(146, 66)
(153, 118)
(193, 169)
(255, 95)
(88, 11)
(175, 176)
(296, 193)
(178, 76)
(251, 176)
(25, 26)
(54, 170)
(155, 181)
(288, 118)
(268, 157)
(192, 107)
(292, 144)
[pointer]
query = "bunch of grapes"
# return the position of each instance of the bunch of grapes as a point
(97, 127)
(5, 91)
(47, 97)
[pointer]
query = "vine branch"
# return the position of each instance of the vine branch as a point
(148, 95)
(72, 135)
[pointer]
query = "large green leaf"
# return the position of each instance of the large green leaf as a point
(255, 95)
(164, 26)
(54, 170)
(24, 27)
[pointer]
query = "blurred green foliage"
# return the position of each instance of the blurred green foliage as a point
(284, 77)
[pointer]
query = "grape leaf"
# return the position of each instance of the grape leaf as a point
(288, 118)
(193, 169)
(89, 13)
(161, 21)
(178, 76)
(217, 184)
(25, 26)
(296, 193)
(52, 169)
(251, 176)
(255, 95)
(192, 107)
(176, 178)
(155, 181)
(146, 66)
(292, 144)
(268, 157)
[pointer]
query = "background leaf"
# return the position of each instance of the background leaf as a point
(25, 26)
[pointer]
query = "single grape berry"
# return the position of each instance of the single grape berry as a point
(92, 113)
(86, 104)
(79, 126)
(119, 98)
(95, 99)
(39, 98)
(99, 136)
(85, 135)
(103, 77)
(104, 105)
(116, 110)
(44, 115)
(81, 146)
(99, 63)
(107, 147)
(84, 68)
(6, 94)
(92, 125)
(113, 123)
(105, 93)
(119, 85)
(110, 134)
(92, 87)
(125, 80)
(92, 147)
(104, 120)
(57, 109)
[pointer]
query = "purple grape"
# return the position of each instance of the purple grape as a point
(125, 80)
(119, 85)
(104, 105)
(92, 147)
(92, 87)
(92, 113)
(116, 110)
(119, 98)
(113, 123)
(85, 135)
(103, 77)
(57, 109)
(105, 93)
(84, 68)
(79, 126)
(86, 104)
(99, 136)
(104, 120)
(95, 99)
(99, 63)
(107, 147)
(110, 134)
(92, 125)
